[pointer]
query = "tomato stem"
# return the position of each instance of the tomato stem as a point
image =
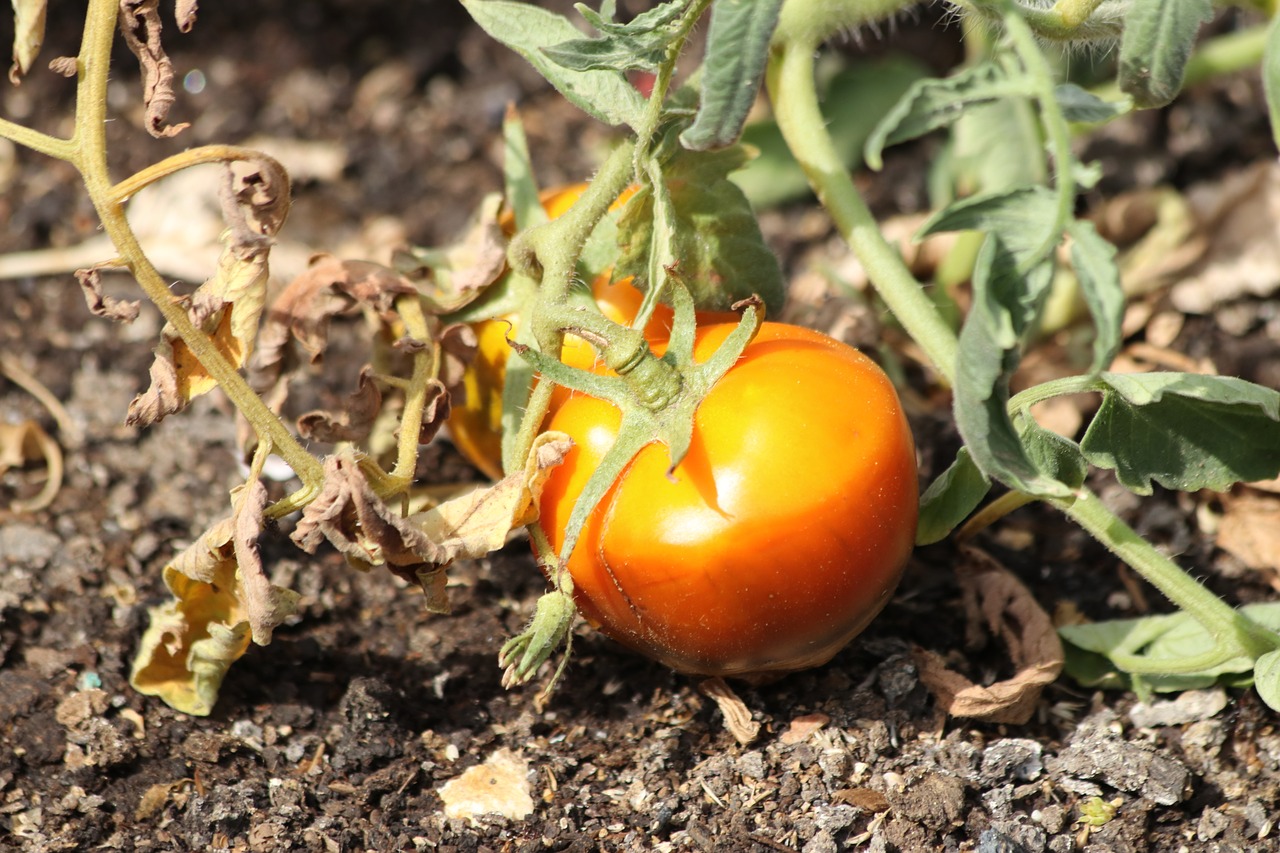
(799, 116)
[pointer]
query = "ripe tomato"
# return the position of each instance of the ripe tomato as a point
(780, 535)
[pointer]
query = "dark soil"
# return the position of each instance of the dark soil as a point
(339, 735)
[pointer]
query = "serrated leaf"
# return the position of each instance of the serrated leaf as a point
(933, 104)
(1058, 457)
(1158, 39)
(1094, 260)
(1005, 307)
(950, 498)
(737, 51)
(1271, 76)
(641, 43)
(713, 233)
(1185, 431)
(527, 29)
(1080, 105)
(1022, 217)
(997, 147)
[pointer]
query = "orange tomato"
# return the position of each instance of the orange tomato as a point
(776, 540)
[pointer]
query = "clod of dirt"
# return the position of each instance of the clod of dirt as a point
(1097, 753)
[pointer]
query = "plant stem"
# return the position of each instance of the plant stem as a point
(799, 117)
(35, 140)
(131, 185)
(89, 155)
(415, 397)
(1230, 628)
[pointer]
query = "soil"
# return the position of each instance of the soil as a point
(340, 735)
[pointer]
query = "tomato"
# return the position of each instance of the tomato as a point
(778, 538)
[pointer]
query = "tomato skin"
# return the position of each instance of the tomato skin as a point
(782, 533)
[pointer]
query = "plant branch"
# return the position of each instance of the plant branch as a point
(795, 100)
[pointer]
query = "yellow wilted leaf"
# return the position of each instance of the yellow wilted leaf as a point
(478, 522)
(223, 600)
(28, 36)
(227, 307)
(27, 442)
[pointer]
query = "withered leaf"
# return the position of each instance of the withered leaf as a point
(185, 12)
(140, 26)
(1250, 531)
(28, 36)
(355, 419)
(26, 442)
(302, 311)
(101, 305)
(359, 524)
(435, 412)
(222, 600)
(227, 308)
(459, 273)
(478, 522)
(737, 716)
(997, 602)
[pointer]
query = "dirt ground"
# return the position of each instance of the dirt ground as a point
(340, 735)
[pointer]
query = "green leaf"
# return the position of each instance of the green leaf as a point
(1266, 678)
(640, 43)
(1271, 76)
(737, 51)
(713, 233)
(950, 498)
(1082, 106)
(1094, 260)
(1157, 42)
(1005, 303)
(933, 104)
(854, 101)
(997, 147)
(1058, 457)
(1171, 639)
(1022, 217)
(527, 29)
(517, 172)
(1185, 431)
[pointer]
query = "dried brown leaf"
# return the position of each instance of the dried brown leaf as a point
(140, 26)
(802, 727)
(461, 272)
(478, 522)
(1250, 531)
(997, 602)
(223, 599)
(101, 305)
(185, 12)
(353, 421)
(359, 524)
(64, 66)
(867, 799)
(303, 310)
(737, 716)
(28, 36)
(227, 308)
(24, 443)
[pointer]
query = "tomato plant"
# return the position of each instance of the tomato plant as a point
(776, 539)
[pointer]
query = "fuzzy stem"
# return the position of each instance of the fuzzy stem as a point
(796, 108)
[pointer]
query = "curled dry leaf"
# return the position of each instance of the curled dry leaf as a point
(24, 443)
(737, 716)
(140, 26)
(1250, 531)
(802, 727)
(997, 603)
(460, 273)
(226, 308)
(303, 310)
(185, 12)
(355, 419)
(101, 305)
(222, 600)
(28, 36)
